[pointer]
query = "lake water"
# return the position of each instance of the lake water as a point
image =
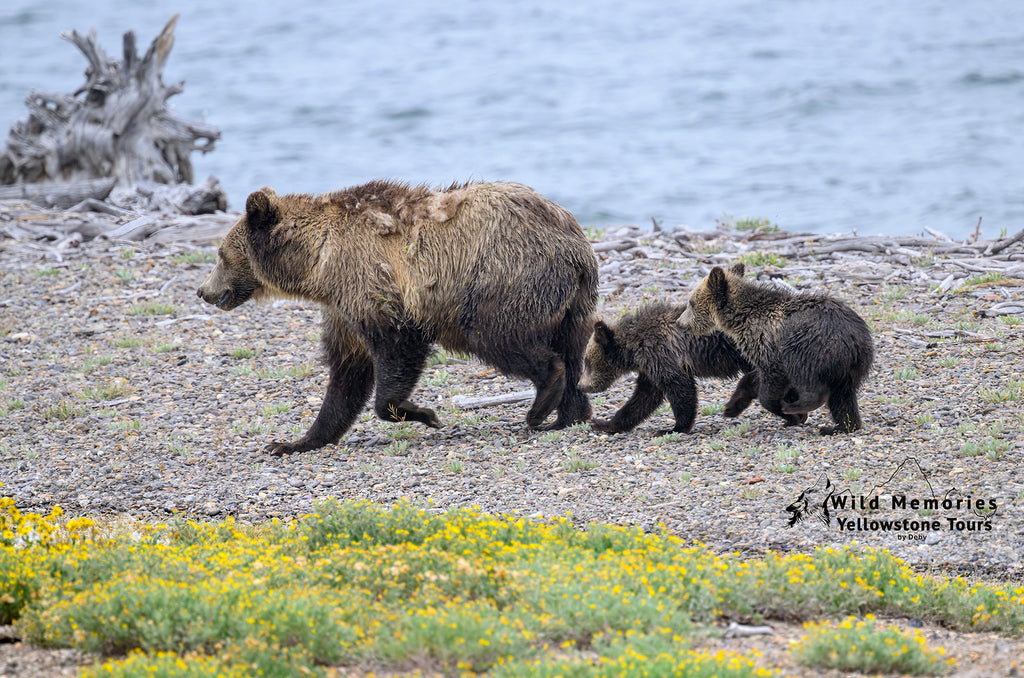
(872, 116)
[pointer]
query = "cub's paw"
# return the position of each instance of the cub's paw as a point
(795, 419)
(834, 430)
(669, 431)
(732, 409)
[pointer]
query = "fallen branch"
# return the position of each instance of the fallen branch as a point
(59, 195)
(471, 403)
(999, 246)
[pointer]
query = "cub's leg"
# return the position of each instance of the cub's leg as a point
(842, 405)
(641, 405)
(681, 391)
(774, 388)
(746, 391)
(806, 400)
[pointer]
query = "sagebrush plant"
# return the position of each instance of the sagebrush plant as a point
(575, 463)
(453, 593)
(863, 645)
(62, 411)
(711, 408)
(755, 224)
(113, 390)
(759, 259)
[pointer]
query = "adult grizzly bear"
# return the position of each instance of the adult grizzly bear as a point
(491, 269)
(808, 349)
(666, 359)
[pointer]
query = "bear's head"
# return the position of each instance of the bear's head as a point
(709, 298)
(232, 281)
(599, 365)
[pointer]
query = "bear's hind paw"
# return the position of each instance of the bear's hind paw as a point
(604, 426)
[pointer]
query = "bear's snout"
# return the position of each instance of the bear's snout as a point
(212, 298)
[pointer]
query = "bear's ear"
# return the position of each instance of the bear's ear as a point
(260, 210)
(718, 286)
(739, 269)
(603, 334)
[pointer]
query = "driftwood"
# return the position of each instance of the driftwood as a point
(741, 630)
(59, 195)
(1000, 245)
(471, 403)
(115, 126)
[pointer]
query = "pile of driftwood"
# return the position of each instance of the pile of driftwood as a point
(51, 232)
(115, 131)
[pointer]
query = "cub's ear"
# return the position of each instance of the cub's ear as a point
(261, 211)
(739, 269)
(718, 286)
(603, 334)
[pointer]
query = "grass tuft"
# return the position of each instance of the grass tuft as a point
(152, 308)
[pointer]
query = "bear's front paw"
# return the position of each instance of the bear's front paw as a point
(406, 411)
(277, 449)
(603, 426)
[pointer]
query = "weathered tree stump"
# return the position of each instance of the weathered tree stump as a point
(116, 125)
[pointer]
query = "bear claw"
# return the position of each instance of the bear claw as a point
(276, 449)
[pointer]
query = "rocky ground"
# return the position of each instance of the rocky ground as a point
(121, 393)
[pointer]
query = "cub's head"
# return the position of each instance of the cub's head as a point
(232, 281)
(709, 298)
(599, 369)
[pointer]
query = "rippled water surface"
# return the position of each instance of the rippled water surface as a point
(879, 117)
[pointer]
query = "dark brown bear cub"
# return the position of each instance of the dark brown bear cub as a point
(494, 270)
(808, 349)
(666, 359)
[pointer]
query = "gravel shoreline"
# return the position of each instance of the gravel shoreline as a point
(121, 393)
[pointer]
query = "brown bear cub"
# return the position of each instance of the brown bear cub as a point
(494, 270)
(666, 359)
(808, 349)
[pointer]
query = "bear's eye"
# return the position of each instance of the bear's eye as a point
(692, 305)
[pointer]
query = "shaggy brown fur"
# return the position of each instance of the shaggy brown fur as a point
(494, 270)
(808, 349)
(666, 360)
